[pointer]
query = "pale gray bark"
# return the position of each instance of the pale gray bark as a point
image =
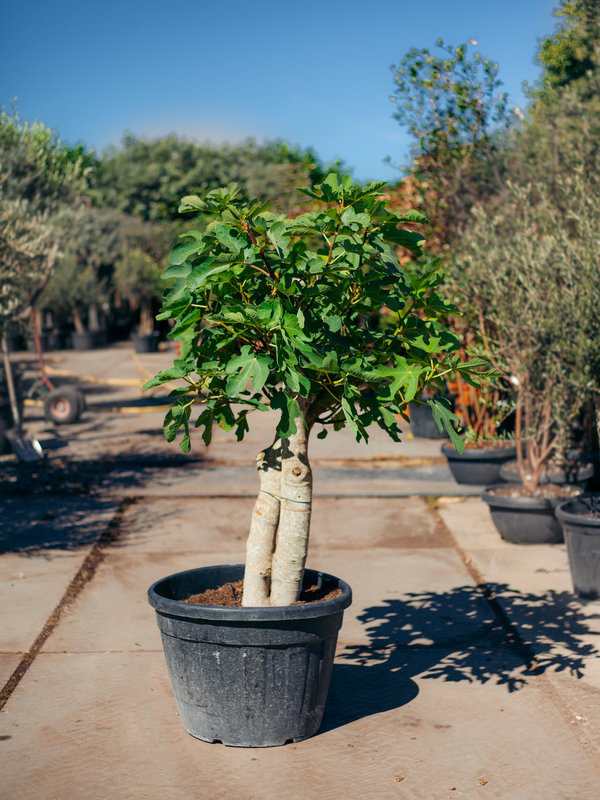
(294, 518)
(263, 529)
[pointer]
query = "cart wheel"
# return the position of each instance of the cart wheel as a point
(81, 401)
(63, 406)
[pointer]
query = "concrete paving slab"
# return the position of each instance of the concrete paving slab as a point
(190, 525)
(533, 586)
(471, 523)
(112, 612)
(8, 664)
(31, 586)
(341, 444)
(205, 524)
(107, 727)
(206, 479)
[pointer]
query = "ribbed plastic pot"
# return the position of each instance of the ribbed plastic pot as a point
(578, 475)
(582, 536)
(525, 520)
(478, 466)
(247, 677)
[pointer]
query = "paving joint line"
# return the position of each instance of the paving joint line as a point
(514, 638)
(82, 577)
(524, 650)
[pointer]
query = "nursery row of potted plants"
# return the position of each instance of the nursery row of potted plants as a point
(556, 509)
(81, 340)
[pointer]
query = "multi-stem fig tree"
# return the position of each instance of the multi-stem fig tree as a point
(313, 317)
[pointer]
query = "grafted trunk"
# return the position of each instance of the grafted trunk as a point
(294, 518)
(263, 528)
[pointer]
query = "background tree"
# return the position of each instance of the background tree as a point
(138, 270)
(40, 177)
(147, 178)
(451, 105)
(533, 274)
(81, 281)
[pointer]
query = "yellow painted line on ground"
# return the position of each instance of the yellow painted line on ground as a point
(63, 373)
(29, 401)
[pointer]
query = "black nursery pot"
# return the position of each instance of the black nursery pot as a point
(83, 340)
(580, 519)
(422, 423)
(247, 677)
(145, 343)
(478, 466)
(525, 520)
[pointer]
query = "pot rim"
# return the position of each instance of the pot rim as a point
(523, 503)
(566, 513)
(178, 608)
(481, 453)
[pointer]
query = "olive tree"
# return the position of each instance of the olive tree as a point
(532, 273)
(40, 177)
(283, 313)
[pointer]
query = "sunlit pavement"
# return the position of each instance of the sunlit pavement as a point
(465, 668)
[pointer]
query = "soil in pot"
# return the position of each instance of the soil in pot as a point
(479, 463)
(525, 517)
(230, 594)
(580, 519)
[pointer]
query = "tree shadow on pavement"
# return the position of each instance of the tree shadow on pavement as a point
(476, 635)
(62, 503)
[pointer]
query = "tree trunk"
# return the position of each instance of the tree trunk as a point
(77, 321)
(93, 318)
(294, 518)
(263, 528)
(146, 318)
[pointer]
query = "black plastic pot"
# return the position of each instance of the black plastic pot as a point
(247, 677)
(478, 466)
(578, 475)
(56, 340)
(83, 340)
(15, 342)
(44, 343)
(145, 343)
(422, 424)
(580, 520)
(525, 520)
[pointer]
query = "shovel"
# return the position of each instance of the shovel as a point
(26, 448)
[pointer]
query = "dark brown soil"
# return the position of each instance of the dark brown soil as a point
(489, 444)
(230, 594)
(544, 490)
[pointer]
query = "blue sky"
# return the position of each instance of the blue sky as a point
(315, 73)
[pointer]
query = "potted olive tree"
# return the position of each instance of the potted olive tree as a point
(282, 313)
(530, 296)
